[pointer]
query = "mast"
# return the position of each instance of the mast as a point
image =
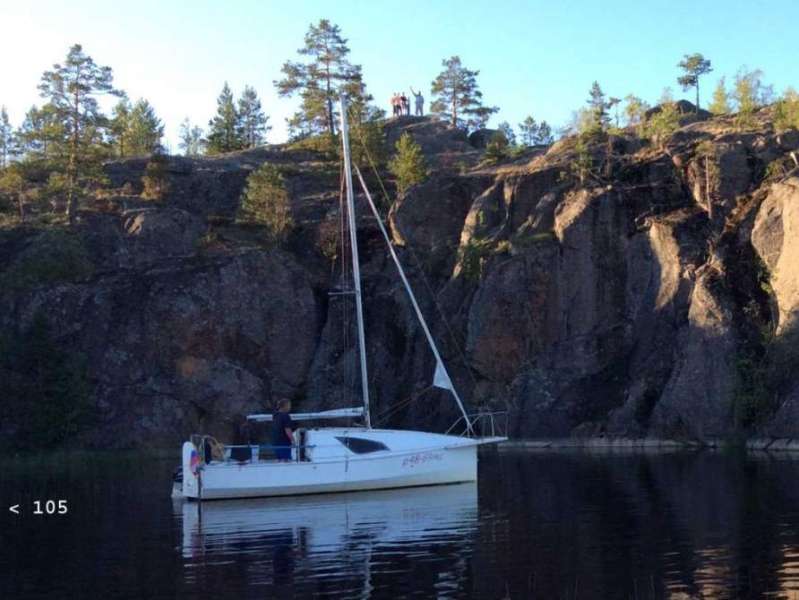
(356, 270)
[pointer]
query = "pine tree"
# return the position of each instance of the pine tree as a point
(598, 107)
(408, 165)
(72, 89)
(252, 120)
(614, 102)
(191, 138)
(634, 110)
(506, 130)
(529, 131)
(120, 123)
(6, 138)
(497, 147)
(694, 66)
(224, 132)
(265, 201)
(544, 134)
(319, 81)
(786, 111)
(145, 129)
(12, 187)
(457, 96)
(41, 135)
(721, 99)
(749, 94)
(665, 121)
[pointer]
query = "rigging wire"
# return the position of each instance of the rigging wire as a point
(394, 408)
(418, 263)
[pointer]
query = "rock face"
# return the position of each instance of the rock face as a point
(630, 303)
(775, 237)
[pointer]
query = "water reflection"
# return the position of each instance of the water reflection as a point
(559, 525)
(355, 544)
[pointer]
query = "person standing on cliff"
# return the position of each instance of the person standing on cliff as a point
(405, 107)
(418, 102)
(395, 108)
(282, 430)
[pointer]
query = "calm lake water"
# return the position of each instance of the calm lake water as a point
(538, 525)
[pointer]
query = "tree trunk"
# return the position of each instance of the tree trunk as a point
(20, 206)
(697, 95)
(72, 169)
(330, 125)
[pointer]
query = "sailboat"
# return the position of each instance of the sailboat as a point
(346, 458)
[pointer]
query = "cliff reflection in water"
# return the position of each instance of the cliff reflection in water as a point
(538, 525)
(549, 524)
(648, 526)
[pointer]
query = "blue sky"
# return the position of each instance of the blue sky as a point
(535, 57)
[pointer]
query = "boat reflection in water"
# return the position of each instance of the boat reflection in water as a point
(336, 542)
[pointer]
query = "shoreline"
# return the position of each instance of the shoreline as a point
(649, 444)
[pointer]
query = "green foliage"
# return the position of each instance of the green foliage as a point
(533, 134)
(156, 178)
(41, 136)
(191, 138)
(526, 237)
(634, 110)
(324, 143)
(7, 148)
(319, 81)
(12, 186)
(599, 119)
(367, 144)
(497, 147)
(45, 389)
(55, 255)
(786, 111)
(778, 168)
(720, 105)
(663, 123)
(253, 123)
(328, 239)
(582, 165)
(457, 96)
(224, 132)
(751, 400)
(408, 164)
(693, 66)
(749, 94)
(506, 130)
(471, 258)
(265, 202)
(135, 130)
(72, 89)
(614, 103)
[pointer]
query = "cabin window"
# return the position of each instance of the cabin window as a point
(361, 445)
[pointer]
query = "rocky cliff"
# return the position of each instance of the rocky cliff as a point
(653, 295)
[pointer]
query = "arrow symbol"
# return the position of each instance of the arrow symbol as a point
(14, 509)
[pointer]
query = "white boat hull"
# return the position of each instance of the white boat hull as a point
(410, 459)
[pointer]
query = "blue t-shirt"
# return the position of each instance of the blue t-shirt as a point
(281, 421)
